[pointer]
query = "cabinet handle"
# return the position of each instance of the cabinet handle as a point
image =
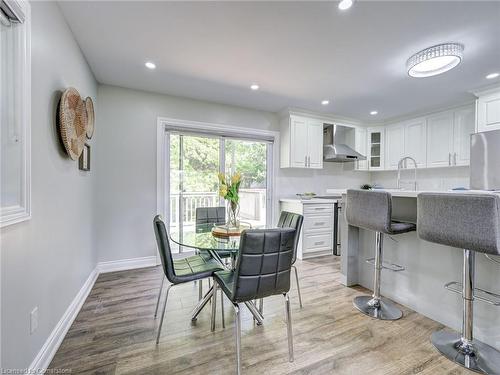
(319, 243)
(455, 158)
(305, 161)
(309, 161)
(319, 223)
(320, 208)
(449, 158)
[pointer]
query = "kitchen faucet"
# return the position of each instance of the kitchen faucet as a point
(402, 163)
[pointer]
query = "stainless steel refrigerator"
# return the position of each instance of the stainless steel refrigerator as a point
(485, 161)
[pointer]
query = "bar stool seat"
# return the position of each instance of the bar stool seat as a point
(372, 210)
(470, 222)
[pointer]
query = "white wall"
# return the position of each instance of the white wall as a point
(125, 163)
(45, 261)
(428, 178)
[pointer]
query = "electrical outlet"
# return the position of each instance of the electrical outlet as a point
(34, 320)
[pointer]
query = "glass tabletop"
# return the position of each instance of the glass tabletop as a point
(200, 237)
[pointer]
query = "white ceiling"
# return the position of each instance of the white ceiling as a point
(298, 52)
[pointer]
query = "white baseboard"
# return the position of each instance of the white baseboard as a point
(49, 349)
(126, 264)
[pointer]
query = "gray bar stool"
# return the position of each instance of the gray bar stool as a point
(470, 222)
(372, 210)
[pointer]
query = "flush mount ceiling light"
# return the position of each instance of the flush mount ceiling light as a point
(345, 4)
(435, 60)
(492, 75)
(150, 65)
(254, 87)
(325, 102)
(373, 113)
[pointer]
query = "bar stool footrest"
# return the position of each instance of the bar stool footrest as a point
(479, 294)
(387, 266)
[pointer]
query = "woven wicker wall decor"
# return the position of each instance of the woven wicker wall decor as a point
(73, 122)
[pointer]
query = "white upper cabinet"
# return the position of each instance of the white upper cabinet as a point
(416, 141)
(440, 140)
(463, 128)
(315, 143)
(394, 145)
(360, 146)
(301, 143)
(375, 153)
(488, 110)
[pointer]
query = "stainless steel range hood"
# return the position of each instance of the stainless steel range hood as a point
(335, 148)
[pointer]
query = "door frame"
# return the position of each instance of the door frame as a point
(165, 124)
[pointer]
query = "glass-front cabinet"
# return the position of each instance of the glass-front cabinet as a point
(375, 148)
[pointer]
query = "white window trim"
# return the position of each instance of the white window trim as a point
(15, 214)
(163, 158)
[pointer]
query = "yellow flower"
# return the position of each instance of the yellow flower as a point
(221, 177)
(223, 191)
(236, 178)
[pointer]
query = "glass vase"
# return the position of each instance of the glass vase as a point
(233, 212)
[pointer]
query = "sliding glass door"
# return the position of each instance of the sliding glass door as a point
(195, 161)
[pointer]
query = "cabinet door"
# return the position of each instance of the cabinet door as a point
(440, 140)
(375, 148)
(394, 145)
(315, 143)
(488, 112)
(463, 128)
(360, 146)
(416, 142)
(298, 142)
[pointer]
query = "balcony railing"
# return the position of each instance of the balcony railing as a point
(252, 205)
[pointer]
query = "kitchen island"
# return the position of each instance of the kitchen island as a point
(428, 266)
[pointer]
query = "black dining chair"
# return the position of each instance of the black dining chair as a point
(293, 220)
(179, 271)
(262, 269)
(210, 215)
(207, 217)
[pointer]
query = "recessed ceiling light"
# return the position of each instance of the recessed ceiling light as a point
(325, 102)
(254, 87)
(373, 113)
(345, 4)
(435, 60)
(150, 65)
(492, 75)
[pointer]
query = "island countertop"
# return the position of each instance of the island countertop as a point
(413, 193)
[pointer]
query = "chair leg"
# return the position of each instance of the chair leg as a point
(159, 295)
(222, 308)
(298, 285)
(200, 290)
(261, 306)
(214, 307)
(288, 314)
(237, 327)
(163, 313)
(375, 306)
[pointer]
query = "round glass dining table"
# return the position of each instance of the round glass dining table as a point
(200, 237)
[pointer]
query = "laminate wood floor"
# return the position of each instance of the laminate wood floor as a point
(114, 332)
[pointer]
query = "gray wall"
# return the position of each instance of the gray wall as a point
(125, 164)
(46, 260)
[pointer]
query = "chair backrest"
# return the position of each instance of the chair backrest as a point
(369, 209)
(263, 264)
(464, 220)
(210, 215)
(164, 248)
(292, 220)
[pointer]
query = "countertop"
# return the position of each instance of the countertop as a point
(309, 201)
(413, 194)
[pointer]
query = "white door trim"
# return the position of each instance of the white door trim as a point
(162, 156)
